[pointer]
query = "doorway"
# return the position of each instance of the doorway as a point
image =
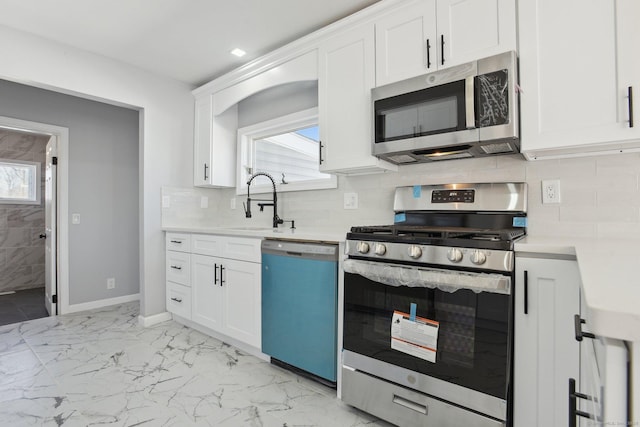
(41, 267)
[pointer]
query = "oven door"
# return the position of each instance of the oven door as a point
(443, 332)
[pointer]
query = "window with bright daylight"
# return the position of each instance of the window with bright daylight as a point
(19, 182)
(287, 148)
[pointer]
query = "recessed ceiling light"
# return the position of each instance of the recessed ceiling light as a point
(238, 52)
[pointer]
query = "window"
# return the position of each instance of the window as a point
(19, 182)
(287, 148)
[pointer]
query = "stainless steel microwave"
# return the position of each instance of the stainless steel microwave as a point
(470, 110)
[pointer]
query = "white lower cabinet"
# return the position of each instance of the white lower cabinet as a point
(226, 297)
(546, 353)
(179, 299)
(218, 285)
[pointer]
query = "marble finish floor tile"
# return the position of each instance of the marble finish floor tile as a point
(101, 368)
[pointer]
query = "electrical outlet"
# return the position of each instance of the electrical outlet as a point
(111, 283)
(551, 191)
(166, 201)
(204, 202)
(233, 203)
(75, 218)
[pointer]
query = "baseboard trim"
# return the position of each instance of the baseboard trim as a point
(153, 320)
(92, 305)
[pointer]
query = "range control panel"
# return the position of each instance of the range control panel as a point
(453, 196)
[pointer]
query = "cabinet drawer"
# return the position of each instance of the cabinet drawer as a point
(179, 267)
(179, 300)
(243, 249)
(207, 244)
(178, 242)
(240, 248)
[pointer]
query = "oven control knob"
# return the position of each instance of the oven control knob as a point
(415, 252)
(454, 255)
(362, 247)
(380, 249)
(478, 257)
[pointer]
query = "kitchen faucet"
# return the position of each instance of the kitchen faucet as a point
(274, 202)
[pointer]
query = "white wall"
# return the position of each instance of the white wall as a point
(600, 196)
(166, 147)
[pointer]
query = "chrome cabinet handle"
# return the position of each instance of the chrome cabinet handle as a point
(222, 281)
(428, 54)
(573, 404)
(577, 325)
(176, 267)
(205, 172)
(630, 100)
(442, 49)
(176, 299)
(215, 274)
(320, 151)
(177, 242)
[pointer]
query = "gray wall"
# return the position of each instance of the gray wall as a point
(21, 250)
(103, 186)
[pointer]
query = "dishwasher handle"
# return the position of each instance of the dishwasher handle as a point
(300, 249)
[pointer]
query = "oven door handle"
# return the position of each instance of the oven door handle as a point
(427, 277)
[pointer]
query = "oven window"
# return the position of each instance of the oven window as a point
(473, 338)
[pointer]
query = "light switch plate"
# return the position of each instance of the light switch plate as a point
(166, 201)
(75, 218)
(351, 200)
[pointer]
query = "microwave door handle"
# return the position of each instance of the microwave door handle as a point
(470, 101)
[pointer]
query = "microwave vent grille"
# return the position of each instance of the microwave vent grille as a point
(402, 158)
(498, 148)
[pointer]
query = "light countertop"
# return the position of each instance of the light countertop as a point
(610, 280)
(307, 234)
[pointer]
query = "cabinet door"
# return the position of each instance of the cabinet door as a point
(406, 42)
(570, 101)
(242, 301)
(473, 29)
(345, 79)
(214, 145)
(628, 16)
(206, 292)
(202, 141)
(546, 353)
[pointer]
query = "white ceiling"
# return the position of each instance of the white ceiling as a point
(188, 40)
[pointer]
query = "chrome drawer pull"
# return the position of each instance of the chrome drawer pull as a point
(176, 267)
(176, 299)
(177, 242)
(398, 400)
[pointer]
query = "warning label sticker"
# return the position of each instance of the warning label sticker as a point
(417, 337)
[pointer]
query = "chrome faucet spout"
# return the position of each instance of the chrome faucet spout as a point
(274, 202)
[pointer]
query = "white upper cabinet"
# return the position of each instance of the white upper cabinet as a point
(575, 82)
(427, 35)
(214, 147)
(406, 42)
(345, 79)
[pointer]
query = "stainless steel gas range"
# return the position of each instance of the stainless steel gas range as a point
(428, 309)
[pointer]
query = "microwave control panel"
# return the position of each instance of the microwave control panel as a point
(453, 196)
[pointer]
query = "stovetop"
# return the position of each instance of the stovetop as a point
(481, 238)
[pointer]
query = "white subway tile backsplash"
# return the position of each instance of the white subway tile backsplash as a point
(599, 195)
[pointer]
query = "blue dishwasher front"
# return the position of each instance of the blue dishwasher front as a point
(300, 305)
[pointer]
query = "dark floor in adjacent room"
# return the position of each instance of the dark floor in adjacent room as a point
(22, 305)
